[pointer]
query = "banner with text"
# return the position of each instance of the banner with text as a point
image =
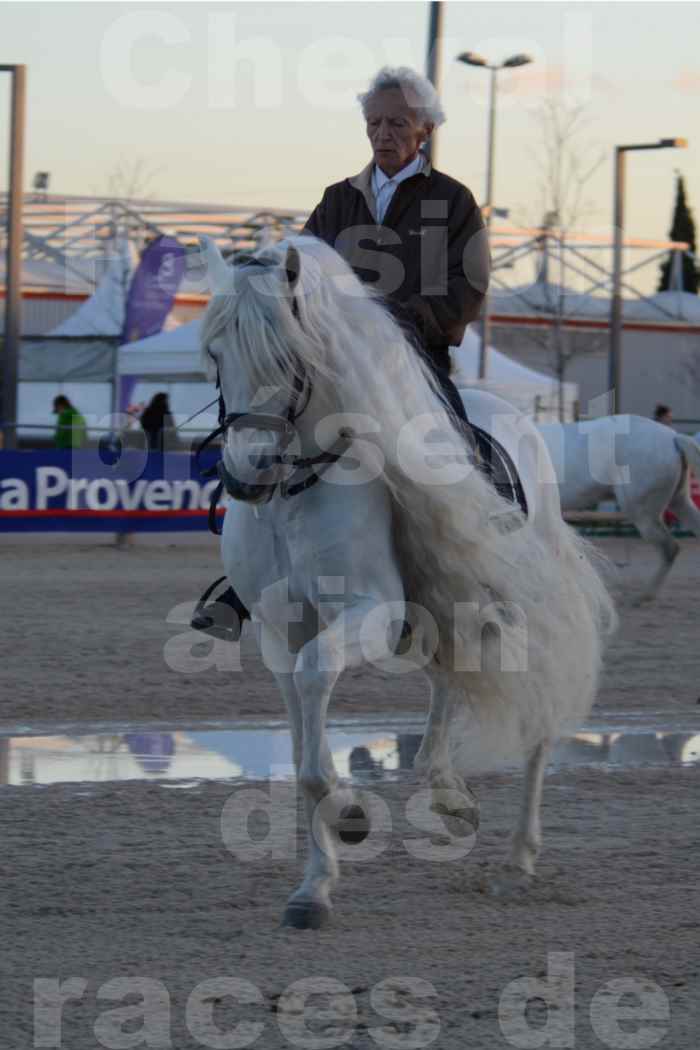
(64, 490)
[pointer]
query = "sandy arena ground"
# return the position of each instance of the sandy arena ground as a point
(87, 637)
(133, 879)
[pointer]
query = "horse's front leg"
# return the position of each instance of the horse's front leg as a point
(309, 905)
(343, 643)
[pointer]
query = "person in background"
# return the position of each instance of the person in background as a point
(158, 423)
(663, 414)
(71, 429)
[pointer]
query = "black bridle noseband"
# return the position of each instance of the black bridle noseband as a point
(263, 493)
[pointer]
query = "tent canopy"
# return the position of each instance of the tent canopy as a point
(545, 298)
(167, 354)
(176, 355)
(530, 391)
(82, 347)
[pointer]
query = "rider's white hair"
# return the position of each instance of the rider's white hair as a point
(417, 90)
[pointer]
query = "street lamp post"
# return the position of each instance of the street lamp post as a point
(13, 269)
(432, 63)
(470, 58)
(615, 352)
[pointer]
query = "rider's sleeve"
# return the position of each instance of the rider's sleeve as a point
(442, 319)
(317, 223)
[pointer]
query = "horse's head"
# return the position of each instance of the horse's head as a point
(248, 343)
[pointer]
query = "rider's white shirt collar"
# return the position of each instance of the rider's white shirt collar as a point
(384, 186)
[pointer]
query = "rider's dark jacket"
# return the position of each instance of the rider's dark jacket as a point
(429, 256)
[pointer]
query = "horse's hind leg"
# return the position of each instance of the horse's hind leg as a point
(527, 838)
(451, 796)
(686, 512)
(653, 530)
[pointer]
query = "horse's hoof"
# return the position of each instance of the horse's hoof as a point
(352, 826)
(512, 881)
(461, 823)
(459, 810)
(306, 915)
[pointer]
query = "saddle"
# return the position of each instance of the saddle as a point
(496, 464)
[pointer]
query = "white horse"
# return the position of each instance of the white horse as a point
(508, 614)
(642, 464)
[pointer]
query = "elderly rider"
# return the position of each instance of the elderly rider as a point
(415, 234)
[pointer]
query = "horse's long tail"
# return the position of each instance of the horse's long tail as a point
(689, 448)
(682, 505)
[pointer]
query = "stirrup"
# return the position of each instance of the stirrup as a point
(219, 619)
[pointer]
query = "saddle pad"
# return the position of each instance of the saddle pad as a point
(499, 468)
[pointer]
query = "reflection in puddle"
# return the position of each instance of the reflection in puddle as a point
(361, 753)
(177, 756)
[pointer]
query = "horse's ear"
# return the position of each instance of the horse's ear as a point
(292, 265)
(218, 272)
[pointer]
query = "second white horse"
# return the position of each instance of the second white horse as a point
(642, 464)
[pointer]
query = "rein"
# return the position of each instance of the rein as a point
(284, 426)
(259, 421)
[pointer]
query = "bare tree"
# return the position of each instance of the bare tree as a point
(130, 180)
(689, 374)
(566, 162)
(133, 180)
(129, 188)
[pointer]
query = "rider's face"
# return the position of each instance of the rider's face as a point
(394, 130)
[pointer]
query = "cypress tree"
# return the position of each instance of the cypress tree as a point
(682, 229)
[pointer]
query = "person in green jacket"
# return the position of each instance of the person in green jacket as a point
(71, 430)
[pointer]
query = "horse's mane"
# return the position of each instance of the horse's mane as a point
(450, 541)
(340, 330)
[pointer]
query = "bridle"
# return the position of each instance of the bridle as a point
(284, 425)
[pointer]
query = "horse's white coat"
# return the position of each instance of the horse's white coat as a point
(640, 463)
(327, 573)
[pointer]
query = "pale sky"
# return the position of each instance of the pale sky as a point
(253, 103)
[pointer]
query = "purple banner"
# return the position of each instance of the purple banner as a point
(153, 288)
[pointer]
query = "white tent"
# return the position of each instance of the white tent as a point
(77, 358)
(547, 299)
(175, 355)
(540, 298)
(103, 312)
(82, 347)
(671, 306)
(165, 355)
(531, 392)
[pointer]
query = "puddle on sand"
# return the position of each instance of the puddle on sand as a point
(185, 757)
